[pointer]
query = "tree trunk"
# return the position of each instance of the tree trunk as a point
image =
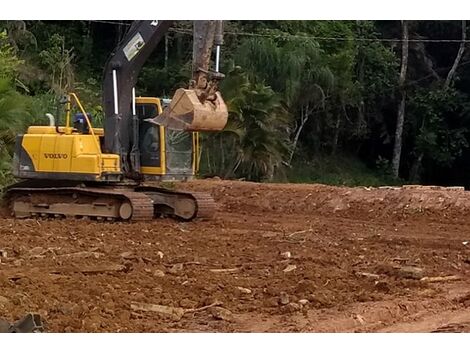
(416, 169)
(401, 109)
(336, 135)
(166, 51)
(452, 71)
(304, 116)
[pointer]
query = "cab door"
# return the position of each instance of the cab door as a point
(151, 143)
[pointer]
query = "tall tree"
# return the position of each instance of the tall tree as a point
(401, 109)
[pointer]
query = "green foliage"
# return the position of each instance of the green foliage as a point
(57, 61)
(13, 117)
(345, 170)
(8, 61)
(441, 120)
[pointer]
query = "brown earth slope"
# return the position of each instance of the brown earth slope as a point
(276, 257)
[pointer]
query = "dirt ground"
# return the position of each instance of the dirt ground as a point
(276, 258)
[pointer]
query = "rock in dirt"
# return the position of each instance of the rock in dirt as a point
(286, 255)
(127, 255)
(368, 275)
(284, 298)
(303, 301)
(175, 269)
(291, 308)
(405, 272)
(411, 272)
(187, 303)
(158, 273)
(290, 268)
(4, 301)
(220, 313)
(244, 290)
(3, 253)
(174, 313)
(36, 251)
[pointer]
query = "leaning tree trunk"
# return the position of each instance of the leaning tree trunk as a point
(401, 109)
(304, 116)
(416, 168)
(452, 71)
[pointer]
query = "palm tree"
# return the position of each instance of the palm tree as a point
(296, 70)
(255, 141)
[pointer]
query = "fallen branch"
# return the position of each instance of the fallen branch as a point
(81, 255)
(368, 275)
(176, 313)
(102, 269)
(92, 270)
(183, 263)
(232, 270)
(299, 232)
(441, 278)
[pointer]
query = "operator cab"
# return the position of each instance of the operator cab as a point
(165, 154)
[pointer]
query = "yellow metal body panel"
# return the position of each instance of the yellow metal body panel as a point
(67, 153)
(62, 150)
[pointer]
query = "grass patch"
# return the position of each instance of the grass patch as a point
(337, 171)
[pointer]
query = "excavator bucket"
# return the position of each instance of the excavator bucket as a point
(186, 112)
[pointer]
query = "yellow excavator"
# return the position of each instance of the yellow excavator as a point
(114, 172)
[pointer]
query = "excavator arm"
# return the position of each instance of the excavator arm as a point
(198, 108)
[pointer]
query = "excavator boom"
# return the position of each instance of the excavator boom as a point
(201, 107)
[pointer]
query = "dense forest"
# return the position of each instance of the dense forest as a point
(342, 102)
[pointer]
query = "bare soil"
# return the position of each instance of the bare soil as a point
(276, 257)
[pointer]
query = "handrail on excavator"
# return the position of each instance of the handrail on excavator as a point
(82, 109)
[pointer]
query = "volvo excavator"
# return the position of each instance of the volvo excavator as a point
(115, 172)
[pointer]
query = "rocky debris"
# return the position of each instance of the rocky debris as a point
(303, 302)
(284, 298)
(220, 313)
(3, 253)
(290, 268)
(160, 255)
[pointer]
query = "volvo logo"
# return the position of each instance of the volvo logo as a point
(55, 156)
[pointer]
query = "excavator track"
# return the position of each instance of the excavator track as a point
(182, 205)
(126, 203)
